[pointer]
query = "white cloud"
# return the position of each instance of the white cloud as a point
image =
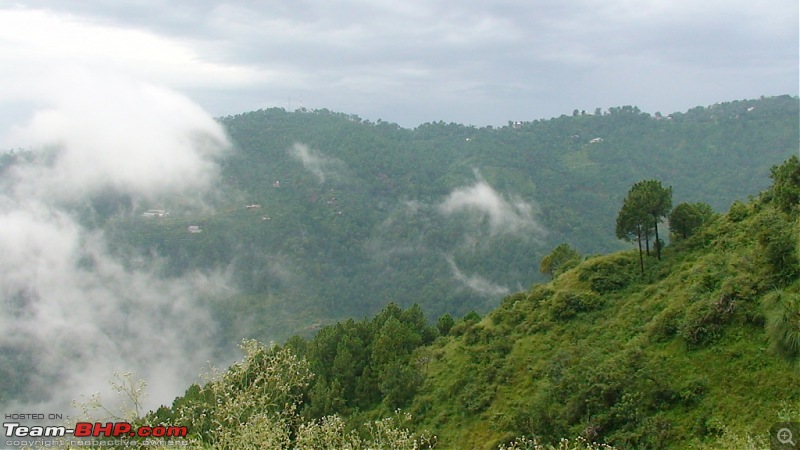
(476, 282)
(113, 133)
(67, 302)
(85, 315)
(315, 162)
(505, 216)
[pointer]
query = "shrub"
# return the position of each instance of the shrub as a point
(703, 321)
(398, 384)
(783, 322)
(476, 396)
(693, 390)
(511, 311)
(665, 324)
(608, 274)
(608, 283)
(779, 244)
(465, 324)
(538, 294)
(738, 212)
(741, 287)
(565, 305)
(561, 259)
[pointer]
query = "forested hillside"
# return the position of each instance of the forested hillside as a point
(323, 216)
(700, 350)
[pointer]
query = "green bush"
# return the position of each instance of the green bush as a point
(738, 212)
(538, 294)
(511, 312)
(741, 287)
(609, 283)
(398, 384)
(703, 321)
(476, 397)
(783, 322)
(779, 243)
(609, 274)
(561, 259)
(693, 390)
(465, 324)
(665, 324)
(565, 305)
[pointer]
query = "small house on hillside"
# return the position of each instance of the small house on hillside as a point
(194, 229)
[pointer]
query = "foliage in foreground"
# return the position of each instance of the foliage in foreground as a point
(255, 404)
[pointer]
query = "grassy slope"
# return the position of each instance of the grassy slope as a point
(665, 360)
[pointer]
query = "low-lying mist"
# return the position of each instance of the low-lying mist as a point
(73, 311)
(479, 219)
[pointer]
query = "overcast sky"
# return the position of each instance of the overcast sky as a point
(410, 61)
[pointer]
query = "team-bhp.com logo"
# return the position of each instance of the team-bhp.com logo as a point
(93, 430)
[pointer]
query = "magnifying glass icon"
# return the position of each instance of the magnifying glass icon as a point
(785, 436)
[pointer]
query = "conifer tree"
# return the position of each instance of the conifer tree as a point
(630, 224)
(647, 204)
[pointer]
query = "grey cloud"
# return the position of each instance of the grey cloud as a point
(415, 61)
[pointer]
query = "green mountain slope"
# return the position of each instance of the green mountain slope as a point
(653, 366)
(661, 361)
(700, 351)
(355, 214)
